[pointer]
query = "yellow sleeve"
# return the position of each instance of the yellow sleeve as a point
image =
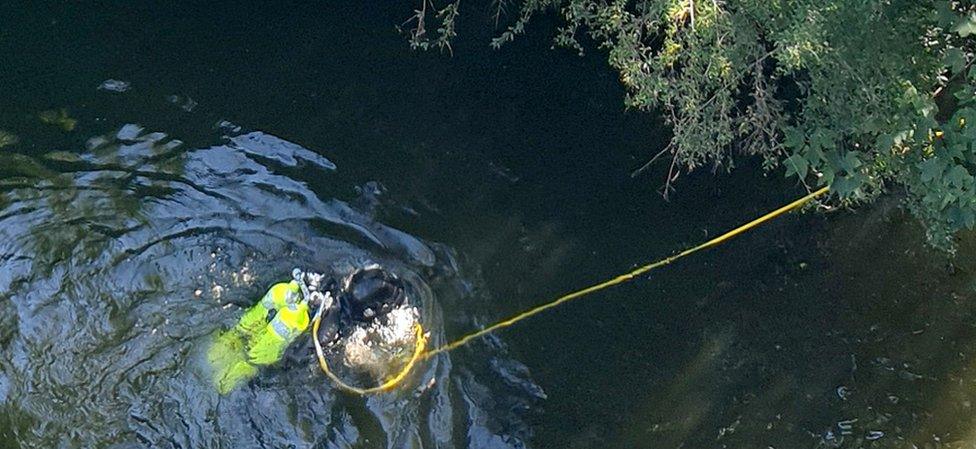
(253, 320)
(266, 347)
(277, 296)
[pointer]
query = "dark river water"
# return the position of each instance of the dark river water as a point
(173, 161)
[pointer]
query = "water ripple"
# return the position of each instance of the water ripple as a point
(122, 259)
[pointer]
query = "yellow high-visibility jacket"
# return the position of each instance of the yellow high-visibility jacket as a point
(260, 336)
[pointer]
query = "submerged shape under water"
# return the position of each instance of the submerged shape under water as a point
(123, 259)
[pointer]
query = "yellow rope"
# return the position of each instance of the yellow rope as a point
(624, 277)
(421, 342)
(391, 383)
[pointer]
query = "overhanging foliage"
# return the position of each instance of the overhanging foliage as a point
(865, 96)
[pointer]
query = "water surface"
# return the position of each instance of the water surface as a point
(249, 138)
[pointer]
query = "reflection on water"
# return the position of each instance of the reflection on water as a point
(122, 258)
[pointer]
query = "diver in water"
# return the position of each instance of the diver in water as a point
(366, 315)
(372, 323)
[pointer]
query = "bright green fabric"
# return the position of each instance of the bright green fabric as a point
(280, 295)
(236, 353)
(228, 363)
(267, 346)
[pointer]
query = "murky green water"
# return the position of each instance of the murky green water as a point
(250, 138)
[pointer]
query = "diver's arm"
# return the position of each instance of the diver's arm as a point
(253, 319)
(323, 302)
(329, 328)
(263, 312)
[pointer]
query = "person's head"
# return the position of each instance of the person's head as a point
(376, 324)
(369, 293)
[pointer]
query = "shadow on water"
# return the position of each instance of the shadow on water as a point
(123, 258)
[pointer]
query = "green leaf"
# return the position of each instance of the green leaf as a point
(834, 159)
(884, 142)
(793, 138)
(959, 176)
(944, 13)
(828, 175)
(964, 96)
(814, 156)
(846, 161)
(947, 198)
(796, 165)
(846, 185)
(962, 216)
(966, 26)
(925, 124)
(851, 161)
(969, 131)
(969, 217)
(822, 139)
(957, 150)
(955, 60)
(930, 169)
